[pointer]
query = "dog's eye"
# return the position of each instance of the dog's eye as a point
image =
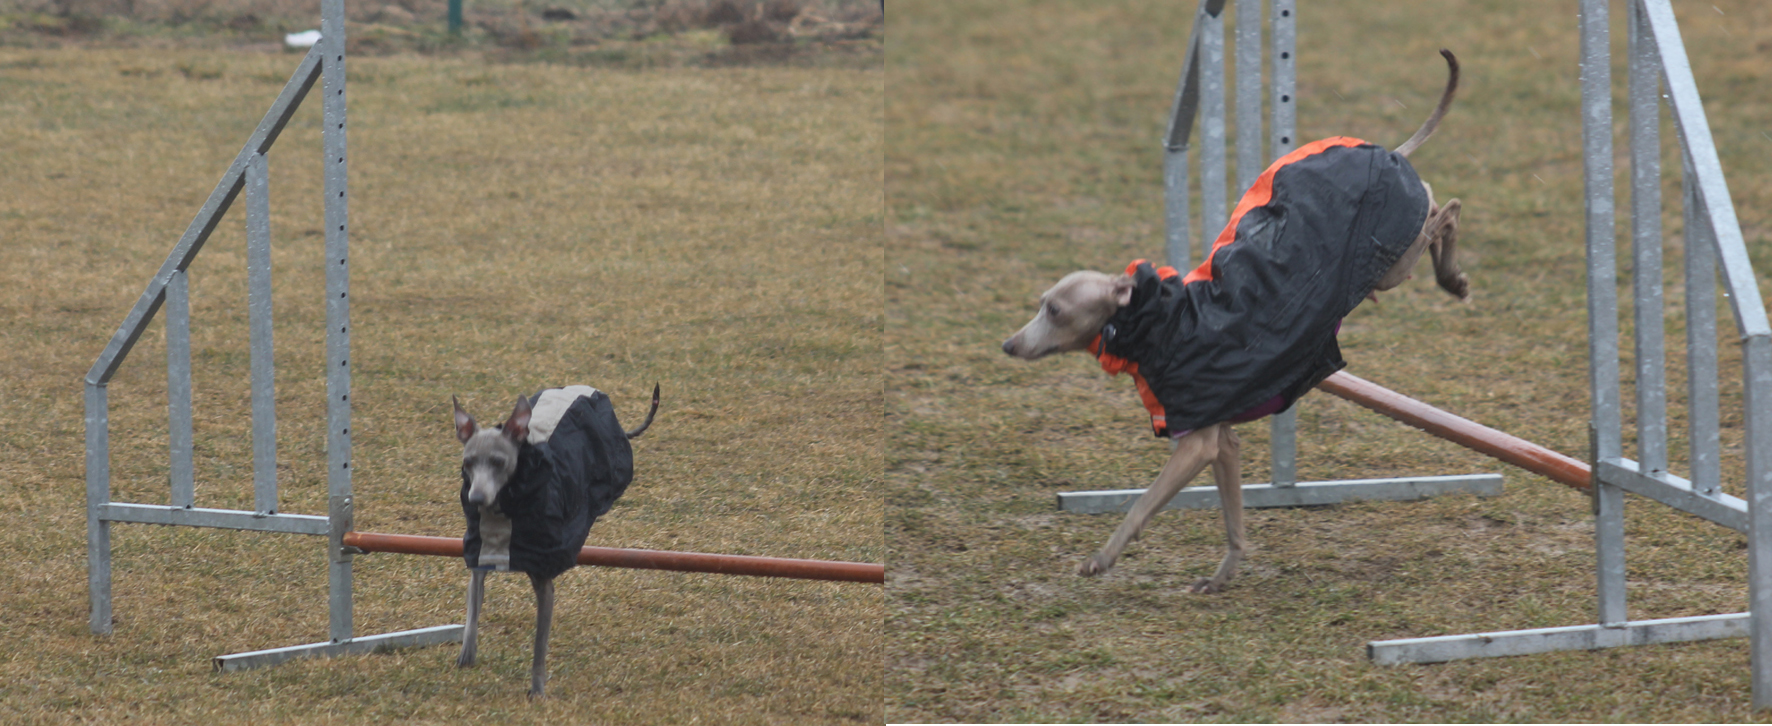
(498, 462)
(1052, 310)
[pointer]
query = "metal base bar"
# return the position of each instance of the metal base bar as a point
(356, 646)
(1548, 640)
(1304, 494)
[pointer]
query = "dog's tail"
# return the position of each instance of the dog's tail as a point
(649, 414)
(1433, 122)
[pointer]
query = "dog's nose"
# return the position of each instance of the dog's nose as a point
(476, 499)
(1009, 346)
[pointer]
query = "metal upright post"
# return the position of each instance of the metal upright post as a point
(258, 304)
(1645, 147)
(1178, 226)
(1283, 429)
(181, 470)
(1249, 163)
(1702, 403)
(1282, 130)
(1213, 207)
(338, 316)
(98, 494)
(1602, 304)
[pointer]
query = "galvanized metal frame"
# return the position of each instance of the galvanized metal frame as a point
(1200, 93)
(325, 64)
(1657, 61)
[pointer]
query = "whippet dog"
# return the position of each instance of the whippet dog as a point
(563, 439)
(1075, 315)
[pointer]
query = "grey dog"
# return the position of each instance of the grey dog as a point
(531, 488)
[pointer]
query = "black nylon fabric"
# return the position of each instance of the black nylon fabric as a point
(1264, 324)
(560, 488)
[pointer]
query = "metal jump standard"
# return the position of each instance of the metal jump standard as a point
(249, 173)
(1659, 71)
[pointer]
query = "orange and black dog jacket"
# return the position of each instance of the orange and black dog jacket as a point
(1257, 320)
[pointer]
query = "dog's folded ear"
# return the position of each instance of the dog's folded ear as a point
(1123, 290)
(516, 427)
(464, 424)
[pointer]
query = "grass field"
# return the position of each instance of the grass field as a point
(1023, 143)
(717, 231)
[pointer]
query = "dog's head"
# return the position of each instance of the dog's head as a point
(489, 456)
(1071, 314)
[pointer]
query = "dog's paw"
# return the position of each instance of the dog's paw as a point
(537, 696)
(464, 660)
(1093, 566)
(1205, 586)
(1459, 287)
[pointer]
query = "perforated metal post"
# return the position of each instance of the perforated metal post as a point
(338, 313)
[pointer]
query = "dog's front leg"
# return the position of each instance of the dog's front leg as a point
(1227, 473)
(1192, 453)
(470, 635)
(544, 620)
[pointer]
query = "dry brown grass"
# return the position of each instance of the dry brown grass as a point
(1023, 144)
(623, 33)
(515, 226)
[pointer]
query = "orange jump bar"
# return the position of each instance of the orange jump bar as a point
(644, 559)
(1461, 431)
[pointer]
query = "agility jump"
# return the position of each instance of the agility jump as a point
(1714, 251)
(321, 69)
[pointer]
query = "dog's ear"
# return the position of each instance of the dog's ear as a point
(464, 424)
(1123, 290)
(516, 427)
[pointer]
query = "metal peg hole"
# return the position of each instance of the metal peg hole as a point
(1285, 99)
(1284, 56)
(1285, 139)
(1285, 13)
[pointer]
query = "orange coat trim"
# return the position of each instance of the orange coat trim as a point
(1115, 365)
(1258, 195)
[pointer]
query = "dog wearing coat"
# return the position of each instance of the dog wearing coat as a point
(1253, 328)
(531, 488)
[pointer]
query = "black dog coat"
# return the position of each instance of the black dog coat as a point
(1257, 320)
(571, 468)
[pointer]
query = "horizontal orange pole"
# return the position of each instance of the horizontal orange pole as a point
(1462, 431)
(644, 559)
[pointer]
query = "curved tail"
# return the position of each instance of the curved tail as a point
(649, 414)
(1433, 122)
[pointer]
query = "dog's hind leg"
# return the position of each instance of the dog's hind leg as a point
(470, 636)
(1445, 251)
(544, 620)
(1192, 454)
(1227, 473)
